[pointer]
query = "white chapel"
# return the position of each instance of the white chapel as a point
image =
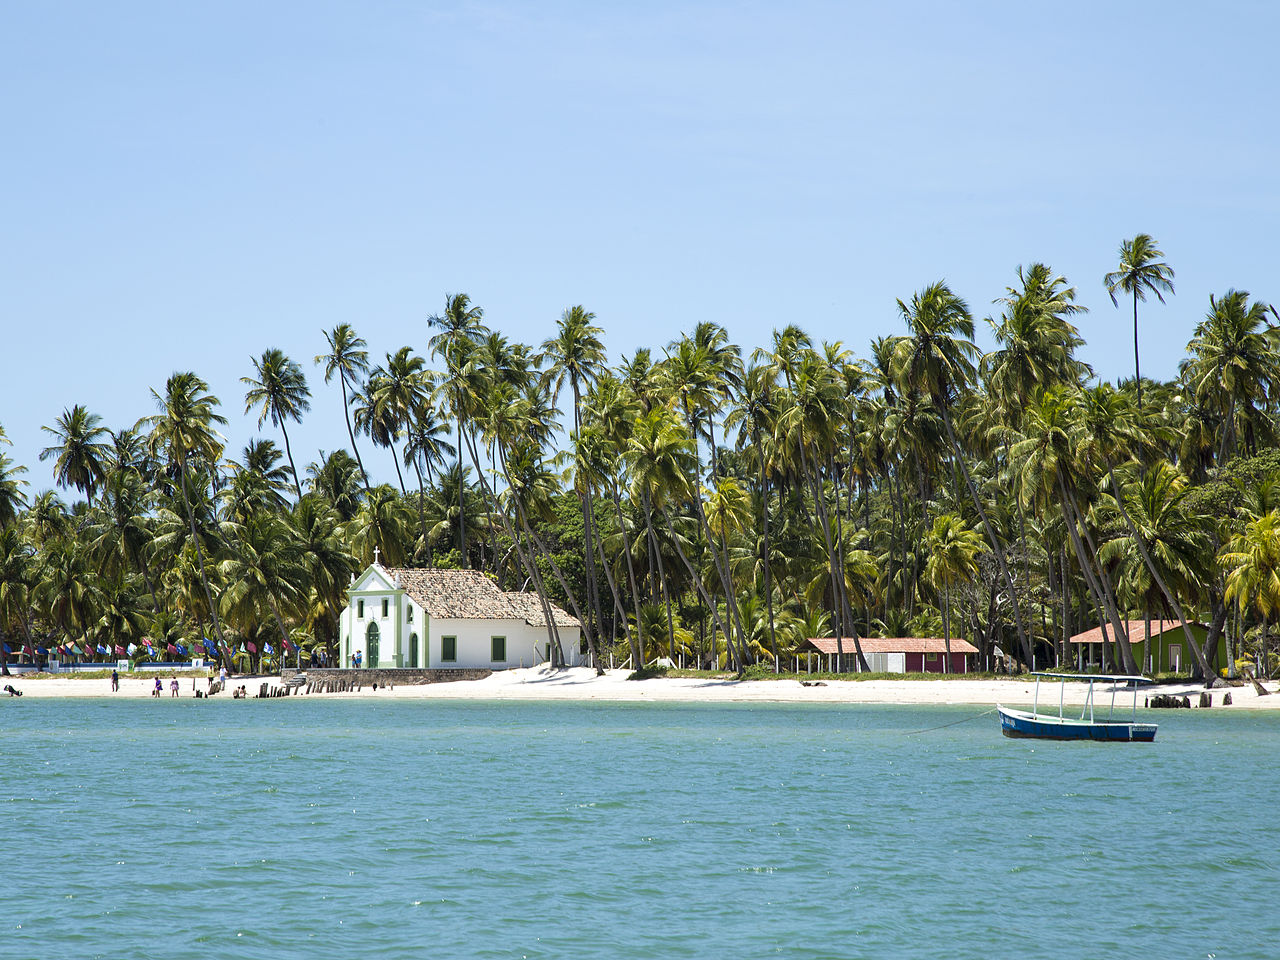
(448, 619)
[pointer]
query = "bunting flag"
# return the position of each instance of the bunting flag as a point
(119, 650)
(103, 650)
(266, 648)
(242, 649)
(182, 651)
(171, 648)
(146, 641)
(7, 649)
(133, 648)
(43, 651)
(252, 648)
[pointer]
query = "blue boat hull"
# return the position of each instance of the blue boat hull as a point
(1016, 723)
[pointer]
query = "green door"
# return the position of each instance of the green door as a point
(413, 650)
(371, 646)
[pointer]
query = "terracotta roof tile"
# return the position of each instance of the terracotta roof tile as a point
(893, 645)
(1137, 630)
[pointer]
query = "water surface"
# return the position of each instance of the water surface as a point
(355, 828)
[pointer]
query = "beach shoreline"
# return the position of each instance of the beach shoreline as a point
(582, 684)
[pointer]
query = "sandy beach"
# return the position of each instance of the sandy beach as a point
(582, 684)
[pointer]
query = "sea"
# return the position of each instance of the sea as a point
(357, 828)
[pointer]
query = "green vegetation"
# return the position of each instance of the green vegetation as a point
(696, 501)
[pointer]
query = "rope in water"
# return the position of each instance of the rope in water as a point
(985, 713)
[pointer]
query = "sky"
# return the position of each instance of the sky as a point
(183, 186)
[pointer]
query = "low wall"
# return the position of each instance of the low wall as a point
(403, 676)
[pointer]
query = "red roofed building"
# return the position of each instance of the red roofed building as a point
(892, 654)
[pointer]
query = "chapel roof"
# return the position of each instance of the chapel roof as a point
(470, 595)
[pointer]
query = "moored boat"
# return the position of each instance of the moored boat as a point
(1051, 726)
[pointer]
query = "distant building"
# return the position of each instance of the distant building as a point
(1168, 654)
(447, 619)
(892, 654)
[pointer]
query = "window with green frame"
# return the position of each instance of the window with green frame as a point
(498, 649)
(448, 649)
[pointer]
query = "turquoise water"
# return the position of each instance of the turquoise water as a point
(341, 828)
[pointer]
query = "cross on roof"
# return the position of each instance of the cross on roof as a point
(376, 551)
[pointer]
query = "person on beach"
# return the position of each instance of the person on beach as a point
(115, 681)
(173, 687)
(158, 689)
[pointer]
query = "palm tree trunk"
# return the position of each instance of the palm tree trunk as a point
(346, 410)
(288, 452)
(1137, 372)
(768, 552)
(662, 575)
(637, 642)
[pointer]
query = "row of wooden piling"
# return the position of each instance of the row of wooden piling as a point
(1168, 701)
(320, 685)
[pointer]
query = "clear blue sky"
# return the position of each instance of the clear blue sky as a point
(185, 185)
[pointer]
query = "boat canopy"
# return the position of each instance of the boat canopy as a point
(1115, 677)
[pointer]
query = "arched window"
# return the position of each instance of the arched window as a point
(371, 645)
(413, 650)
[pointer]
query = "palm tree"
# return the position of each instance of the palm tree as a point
(1140, 271)
(934, 358)
(460, 325)
(335, 480)
(330, 565)
(577, 354)
(425, 449)
(12, 498)
(281, 392)
(17, 576)
(183, 433)
(348, 359)
(1252, 562)
(81, 454)
(1233, 367)
(953, 552)
(266, 574)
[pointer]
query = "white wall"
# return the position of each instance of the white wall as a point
(526, 645)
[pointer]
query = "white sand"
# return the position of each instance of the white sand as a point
(581, 683)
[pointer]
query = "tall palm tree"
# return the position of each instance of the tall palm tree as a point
(935, 359)
(1233, 367)
(183, 433)
(81, 453)
(280, 390)
(1140, 271)
(576, 354)
(349, 360)
(460, 326)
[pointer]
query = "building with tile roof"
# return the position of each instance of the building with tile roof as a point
(448, 619)
(892, 654)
